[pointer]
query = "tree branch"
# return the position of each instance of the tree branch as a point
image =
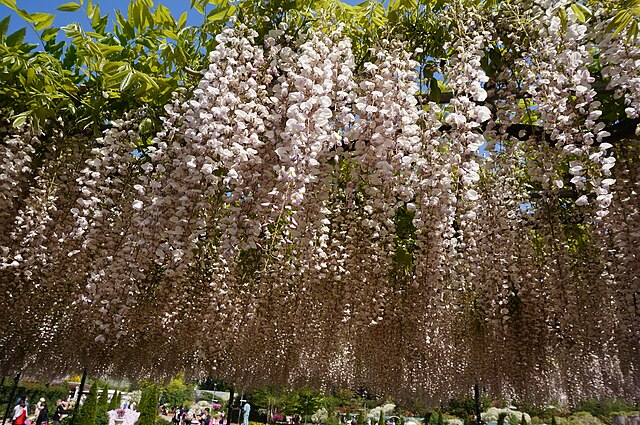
(193, 72)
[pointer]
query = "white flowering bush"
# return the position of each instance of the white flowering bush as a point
(200, 406)
(386, 409)
(329, 217)
(514, 417)
(320, 416)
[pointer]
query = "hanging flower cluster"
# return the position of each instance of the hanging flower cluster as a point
(318, 224)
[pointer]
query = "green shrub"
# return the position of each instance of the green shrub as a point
(427, 418)
(604, 408)
(205, 397)
(463, 406)
(148, 406)
(88, 411)
(501, 418)
(163, 421)
(176, 391)
(579, 418)
(102, 418)
(626, 413)
(114, 404)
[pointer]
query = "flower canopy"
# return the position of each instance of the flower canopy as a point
(305, 217)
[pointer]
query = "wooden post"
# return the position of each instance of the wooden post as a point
(77, 406)
(10, 399)
(476, 394)
(230, 406)
(240, 407)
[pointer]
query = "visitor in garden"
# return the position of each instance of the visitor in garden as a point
(39, 405)
(43, 413)
(245, 413)
(205, 419)
(177, 411)
(61, 410)
(24, 398)
(20, 413)
(183, 415)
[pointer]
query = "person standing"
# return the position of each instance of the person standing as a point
(205, 418)
(176, 415)
(43, 414)
(39, 405)
(60, 411)
(20, 413)
(245, 413)
(26, 403)
(183, 414)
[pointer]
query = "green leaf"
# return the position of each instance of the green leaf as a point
(40, 17)
(20, 119)
(563, 18)
(198, 5)
(163, 15)
(183, 20)
(633, 32)
(42, 20)
(31, 76)
(581, 12)
(620, 21)
(146, 79)
(147, 16)
(146, 126)
(49, 34)
(4, 26)
(126, 81)
(578, 13)
(95, 17)
(69, 7)
(11, 4)
(434, 90)
(16, 37)
(170, 34)
(217, 16)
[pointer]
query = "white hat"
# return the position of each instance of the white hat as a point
(43, 400)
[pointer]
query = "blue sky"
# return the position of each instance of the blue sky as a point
(177, 7)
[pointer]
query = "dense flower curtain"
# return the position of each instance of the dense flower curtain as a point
(302, 219)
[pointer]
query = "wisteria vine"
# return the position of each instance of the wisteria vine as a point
(301, 219)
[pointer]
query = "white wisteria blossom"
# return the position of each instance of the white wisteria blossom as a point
(320, 221)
